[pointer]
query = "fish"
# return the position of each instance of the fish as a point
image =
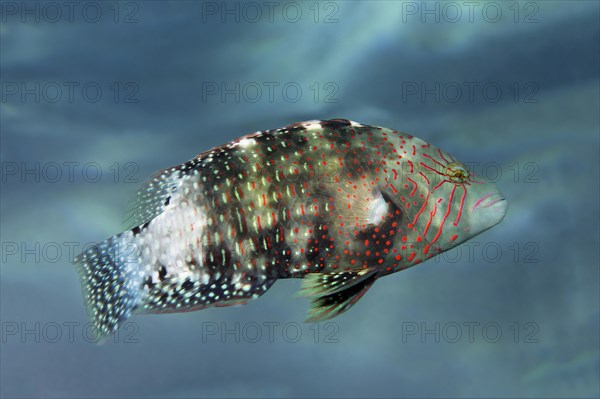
(336, 203)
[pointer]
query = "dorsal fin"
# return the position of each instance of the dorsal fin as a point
(334, 293)
(154, 195)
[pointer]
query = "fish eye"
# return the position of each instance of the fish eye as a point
(457, 173)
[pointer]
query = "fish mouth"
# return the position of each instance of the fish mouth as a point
(488, 200)
(491, 208)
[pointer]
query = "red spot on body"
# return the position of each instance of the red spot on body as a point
(460, 208)
(445, 216)
(442, 155)
(428, 225)
(438, 163)
(414, 190)
(431, 169)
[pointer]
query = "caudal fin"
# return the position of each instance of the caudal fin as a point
(110, 284)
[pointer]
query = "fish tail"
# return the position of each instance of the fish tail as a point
(110, 284)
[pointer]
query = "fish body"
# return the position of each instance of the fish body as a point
(336, 203)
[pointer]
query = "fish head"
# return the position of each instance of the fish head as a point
(444, 202)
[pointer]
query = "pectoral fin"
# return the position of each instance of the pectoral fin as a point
(334, 293)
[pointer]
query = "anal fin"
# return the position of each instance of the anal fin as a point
(334, 293)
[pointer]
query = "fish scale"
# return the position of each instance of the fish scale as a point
(336, 202)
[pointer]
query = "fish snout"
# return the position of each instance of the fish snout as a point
(490, 209)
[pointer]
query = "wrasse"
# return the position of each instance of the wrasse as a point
(336, 203)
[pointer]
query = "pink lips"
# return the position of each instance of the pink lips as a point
(489, 203)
